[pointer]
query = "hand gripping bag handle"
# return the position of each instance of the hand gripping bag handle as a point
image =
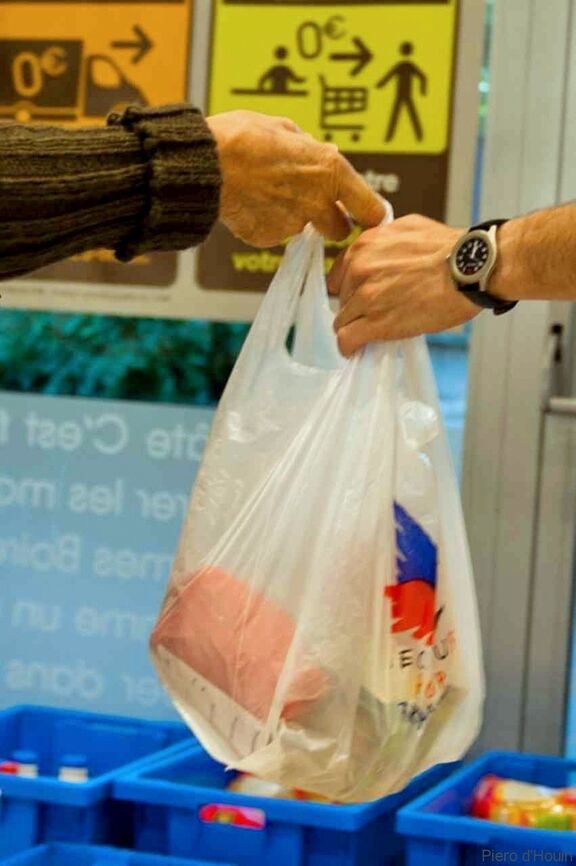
(299, 288)
(315, 342)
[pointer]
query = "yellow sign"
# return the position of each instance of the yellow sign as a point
(73, 62)
(374, 77)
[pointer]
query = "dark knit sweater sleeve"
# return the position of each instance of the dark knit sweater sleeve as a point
(150, 180)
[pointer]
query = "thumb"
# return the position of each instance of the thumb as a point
(333, 223)
(367, 208)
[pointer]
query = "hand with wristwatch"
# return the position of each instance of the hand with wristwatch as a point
(417, 276)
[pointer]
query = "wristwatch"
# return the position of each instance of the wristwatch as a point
(472, 262)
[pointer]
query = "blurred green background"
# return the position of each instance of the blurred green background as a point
(117, 358)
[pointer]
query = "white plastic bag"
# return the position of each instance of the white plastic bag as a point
(320, 626)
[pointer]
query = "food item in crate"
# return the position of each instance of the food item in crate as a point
(244, 783)
(521, 804)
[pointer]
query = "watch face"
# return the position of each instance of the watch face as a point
(472, 256)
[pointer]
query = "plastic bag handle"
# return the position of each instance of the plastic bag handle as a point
(315, 342)
(278, 308)
(300, 278)
(389, 215)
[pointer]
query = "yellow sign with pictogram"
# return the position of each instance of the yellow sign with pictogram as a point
(73, 62)
(374, 77)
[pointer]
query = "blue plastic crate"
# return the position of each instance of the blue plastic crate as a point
(185, 811)
(439, 831)
(85, 855)
(47, 810)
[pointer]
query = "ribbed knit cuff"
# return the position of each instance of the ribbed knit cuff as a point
(183, 179)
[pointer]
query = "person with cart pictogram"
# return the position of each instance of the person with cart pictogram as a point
(405, 74)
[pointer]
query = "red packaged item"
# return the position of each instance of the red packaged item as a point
(240, 643)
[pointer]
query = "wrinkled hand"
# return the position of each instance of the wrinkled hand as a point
(394, 282)
(276, 179)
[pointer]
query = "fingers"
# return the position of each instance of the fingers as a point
(337, 271)
(358, 198)
(353, 277)
(288, 124)
(351, 270)
(361, 331)
(260, 233)
(333, 223)
(354, 336)
(355, 308)
(340, 279)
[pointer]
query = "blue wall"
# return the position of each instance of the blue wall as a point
(92, 495)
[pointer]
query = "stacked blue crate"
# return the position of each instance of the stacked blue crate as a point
(81, 855)
(44, 809)
(439, 830)
(182, 808)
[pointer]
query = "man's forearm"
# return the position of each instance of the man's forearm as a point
(150, 180)
(537, 257)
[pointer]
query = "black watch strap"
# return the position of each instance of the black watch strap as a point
(473, 290)
(487, 225)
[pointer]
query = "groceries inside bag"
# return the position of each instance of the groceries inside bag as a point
(320, 628)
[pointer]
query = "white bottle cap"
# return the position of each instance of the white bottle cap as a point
(73, 774)
(27, 763)
(73, 769)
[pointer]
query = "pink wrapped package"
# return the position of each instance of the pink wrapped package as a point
(238, 640)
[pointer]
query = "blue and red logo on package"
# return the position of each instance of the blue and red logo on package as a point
(413, 597)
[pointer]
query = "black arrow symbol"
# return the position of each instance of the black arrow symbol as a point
(141, 46)
(363, 57)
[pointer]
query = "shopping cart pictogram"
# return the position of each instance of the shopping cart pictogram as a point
(342, 102)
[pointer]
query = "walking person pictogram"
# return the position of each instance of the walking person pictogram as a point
(405, 74)
(277, 80)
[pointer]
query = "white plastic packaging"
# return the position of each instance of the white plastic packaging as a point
(27, 763)
(74, 768)
(320, 627)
